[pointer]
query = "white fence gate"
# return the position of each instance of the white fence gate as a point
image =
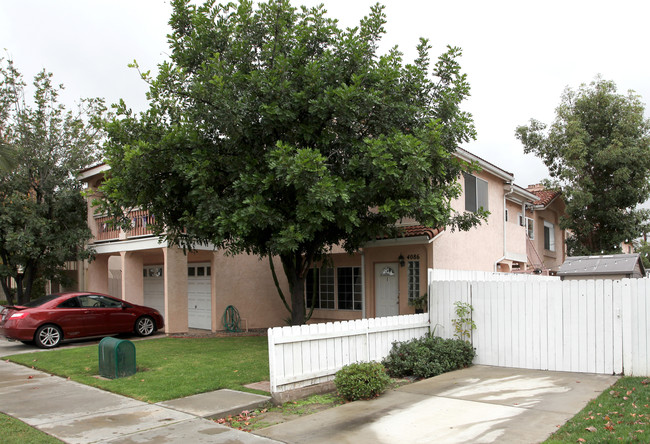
(439, 274)
(304, 355)
(579, 326)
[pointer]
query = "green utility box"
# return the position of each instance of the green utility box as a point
(116, 358)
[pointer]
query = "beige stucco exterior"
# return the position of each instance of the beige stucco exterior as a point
(246, 283)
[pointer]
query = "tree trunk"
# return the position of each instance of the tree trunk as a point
(298, 302)
(294, 268)
(7, 291)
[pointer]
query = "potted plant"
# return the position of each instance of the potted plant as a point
(420, 303)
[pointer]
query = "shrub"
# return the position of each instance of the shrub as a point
(363, 380)
(428, 356)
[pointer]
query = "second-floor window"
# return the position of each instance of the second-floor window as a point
(549, 236)
(530, 228)
(476, 193)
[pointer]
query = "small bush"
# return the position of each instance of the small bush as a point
(427, 357)
(364, 380)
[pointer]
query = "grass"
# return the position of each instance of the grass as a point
(17, 432)
(620, 414)
(168, 368)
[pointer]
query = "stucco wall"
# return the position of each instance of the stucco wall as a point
(480, 247)
(515, 233)
(552, 213)
(246, 283)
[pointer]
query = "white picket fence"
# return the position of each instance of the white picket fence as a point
(304, 355)
(439, 274)
(580, 326)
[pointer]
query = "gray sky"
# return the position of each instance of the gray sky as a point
(518, 55)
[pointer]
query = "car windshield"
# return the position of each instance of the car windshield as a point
(40, 301)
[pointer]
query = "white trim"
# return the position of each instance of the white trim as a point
(140, 243)
(93, 171)
(517, 257)
(520, 195)
(485, 166)
(129, 245)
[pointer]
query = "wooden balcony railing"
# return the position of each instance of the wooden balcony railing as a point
(140, 221)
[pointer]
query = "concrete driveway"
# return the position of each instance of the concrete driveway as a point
(480, 404)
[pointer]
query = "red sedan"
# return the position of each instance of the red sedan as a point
(50, 319)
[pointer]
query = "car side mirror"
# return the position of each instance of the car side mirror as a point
(124, 306)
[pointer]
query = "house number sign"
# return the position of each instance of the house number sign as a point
(413, 257)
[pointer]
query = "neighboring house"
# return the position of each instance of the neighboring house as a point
(546, 238)
(612, 266)
(193, 290)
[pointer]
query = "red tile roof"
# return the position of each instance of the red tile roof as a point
(544, 196)
(419, 230)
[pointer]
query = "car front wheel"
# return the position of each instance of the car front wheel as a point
(144, 326)
(48, 336)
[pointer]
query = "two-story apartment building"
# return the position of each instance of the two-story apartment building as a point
(193, 290)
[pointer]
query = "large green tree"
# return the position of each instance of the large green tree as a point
(598, 153)
(273, 132)
(42, 211)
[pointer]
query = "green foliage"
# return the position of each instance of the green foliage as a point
(428, 356)
(420, 302)
(363, 380)
(643, 248)
(463, 322)
(42, 212)
(273, 132)
(598, 154)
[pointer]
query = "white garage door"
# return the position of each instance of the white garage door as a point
(199, 300)
(154, 288)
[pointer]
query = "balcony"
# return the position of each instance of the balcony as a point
(140, 222)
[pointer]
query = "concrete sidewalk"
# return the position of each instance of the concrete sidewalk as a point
(76, 413)
(480, 404)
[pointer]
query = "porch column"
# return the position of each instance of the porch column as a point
(216, 318)
(175, 278)
(132, 284)
(97, 276)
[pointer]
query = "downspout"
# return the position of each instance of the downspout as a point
(504, 226)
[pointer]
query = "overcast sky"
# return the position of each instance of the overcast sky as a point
(518, 55)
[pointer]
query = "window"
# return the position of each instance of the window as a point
(549, 236)
(476, 193)
(413, 278)
(98, 301)
(349, 288)
(530, 228)
(324, 289)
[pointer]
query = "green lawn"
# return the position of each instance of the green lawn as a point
(14, 431)
(620, 414)
(168, 368)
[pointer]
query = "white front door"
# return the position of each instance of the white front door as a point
(386, 289)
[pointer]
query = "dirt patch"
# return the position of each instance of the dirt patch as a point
(197, 334)
(271, 415)
(249, 421)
